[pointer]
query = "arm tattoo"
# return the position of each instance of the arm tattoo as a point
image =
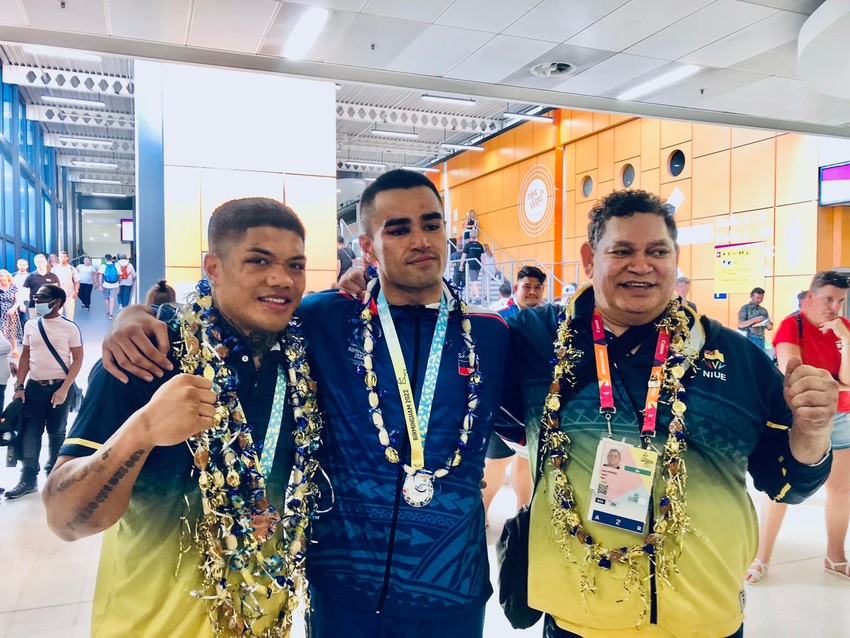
(83, 472)
(105, 491)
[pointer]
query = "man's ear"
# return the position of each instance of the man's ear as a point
(367, 245)
(587, 259)
(212, 266)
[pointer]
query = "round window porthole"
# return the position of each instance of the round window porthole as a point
(587, 186)
(628, 176)
(676, 163)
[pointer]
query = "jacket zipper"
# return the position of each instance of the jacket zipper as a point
(414, 373)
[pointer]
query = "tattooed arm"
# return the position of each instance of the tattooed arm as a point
(86, 495)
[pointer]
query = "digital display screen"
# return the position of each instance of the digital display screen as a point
(834, 185)
(128, 230)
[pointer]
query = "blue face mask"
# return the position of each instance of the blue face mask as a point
(42, 308)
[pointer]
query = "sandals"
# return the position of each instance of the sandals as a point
(842, 570)
(757, 571)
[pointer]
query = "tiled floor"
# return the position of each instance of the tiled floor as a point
(46, 585)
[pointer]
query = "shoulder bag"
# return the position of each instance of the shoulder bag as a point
(74, 393)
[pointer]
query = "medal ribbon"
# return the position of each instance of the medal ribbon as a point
(275, 419)
(416, 418)
(603, 374)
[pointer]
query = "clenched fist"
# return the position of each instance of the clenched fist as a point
(182, 407)
(812, 395)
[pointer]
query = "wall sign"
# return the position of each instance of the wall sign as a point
(738, 268)
(536, 204)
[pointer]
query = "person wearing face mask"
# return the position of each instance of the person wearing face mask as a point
(43, 384)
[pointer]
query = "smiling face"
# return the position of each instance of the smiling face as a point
(407, 240)
(633, 270)
(258, 280)
(529, 292)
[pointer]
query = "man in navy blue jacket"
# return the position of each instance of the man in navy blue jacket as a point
(402, 551)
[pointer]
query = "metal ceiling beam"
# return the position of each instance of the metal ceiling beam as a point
(68, 142)
(68, 80)
(87, 189)
(80, 117)
(353, 112)
(126, 179)
(377, 145)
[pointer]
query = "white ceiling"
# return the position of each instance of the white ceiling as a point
(746, 51)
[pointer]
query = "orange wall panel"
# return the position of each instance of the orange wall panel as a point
(476, 164)
(523, 140)
(709, 138)
(650, 180)
(605, 188)
(796, 228)
(565, 127)
(570, 161)
(587, 154)
(507, 148)
(753, 171)
(582, 124)
(606, 155)
(796, 168)
(581, 219)
(785, 290)
(510, 186)
(627, 140)
(650, 142)
(673, 133)
(601, 121)
(711, 184)
(741, 136)
(543, 136)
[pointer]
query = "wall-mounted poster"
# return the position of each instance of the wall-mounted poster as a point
(738, 268)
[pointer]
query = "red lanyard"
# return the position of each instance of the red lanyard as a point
(606, 387)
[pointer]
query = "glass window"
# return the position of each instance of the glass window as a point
(48, 226)
(587, 186)
(10, 256)
(676, 163)
(628, 175)
(22, 126)
(6, 120)
(8, 198)
(33, 216)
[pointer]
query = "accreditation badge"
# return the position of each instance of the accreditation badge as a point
(621, 485)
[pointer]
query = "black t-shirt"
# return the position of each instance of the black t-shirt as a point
(34, 281)
(473, 251)
(346, 260)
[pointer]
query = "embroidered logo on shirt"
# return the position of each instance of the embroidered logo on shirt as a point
(714, 361)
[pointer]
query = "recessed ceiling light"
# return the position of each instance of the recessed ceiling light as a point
(72, 101)
(86, 140)
(382, 132)
(90, 180)
(421, 169)
(462, 147)
(528, 116)
(659, 82)
(108, 194)
(448, 99)
(91, 164)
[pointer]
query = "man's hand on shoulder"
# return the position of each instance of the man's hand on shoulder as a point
(812, 395)
(353, 282)
(183, 406)
(138, 344)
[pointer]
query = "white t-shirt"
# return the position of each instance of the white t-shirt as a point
(131, 272)
(101, 272)
(67, 276)
(85, 273)
(63, 335)
(23, 295)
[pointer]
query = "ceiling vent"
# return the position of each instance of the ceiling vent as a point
(552, 69)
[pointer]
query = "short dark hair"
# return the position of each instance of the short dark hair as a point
(391, 180)
(340, 239)
(107, 256)
(505, 289)
(757, 291)
(231, 220)
(829, 278)
(625, 203)
(531, 271)
(55, 291)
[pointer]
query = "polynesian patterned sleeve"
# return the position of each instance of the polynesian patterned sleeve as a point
(774, 469)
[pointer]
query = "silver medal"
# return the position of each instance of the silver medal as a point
(418, 489)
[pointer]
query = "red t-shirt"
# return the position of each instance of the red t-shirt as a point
(819, 350)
